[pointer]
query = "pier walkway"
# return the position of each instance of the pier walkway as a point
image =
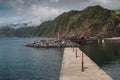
(71, 67)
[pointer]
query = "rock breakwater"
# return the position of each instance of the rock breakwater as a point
(52, 44)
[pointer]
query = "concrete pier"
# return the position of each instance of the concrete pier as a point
(71, 67)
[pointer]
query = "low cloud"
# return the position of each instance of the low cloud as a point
(110, 4)
(55, 1)
(43, 12)
(37, 11)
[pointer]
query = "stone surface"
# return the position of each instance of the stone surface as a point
(71, 67)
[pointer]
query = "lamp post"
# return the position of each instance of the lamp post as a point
(82, 62)
(76, 53)
(58, 35)
(82, 38)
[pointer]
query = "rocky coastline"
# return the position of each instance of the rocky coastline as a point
(52, 44)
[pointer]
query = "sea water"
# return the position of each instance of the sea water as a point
(18, 62)
(106, 55)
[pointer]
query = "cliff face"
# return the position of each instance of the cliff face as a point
(94, 20)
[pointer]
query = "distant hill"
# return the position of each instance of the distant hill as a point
(94, 20)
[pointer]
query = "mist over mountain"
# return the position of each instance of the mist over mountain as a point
(94, 20)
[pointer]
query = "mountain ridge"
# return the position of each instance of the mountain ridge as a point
(94, 20)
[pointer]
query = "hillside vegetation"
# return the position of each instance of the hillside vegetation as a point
(94, 20)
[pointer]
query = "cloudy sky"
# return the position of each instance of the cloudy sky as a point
(36, 11)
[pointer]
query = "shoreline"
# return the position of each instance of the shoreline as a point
(113, 38)
(51, 44)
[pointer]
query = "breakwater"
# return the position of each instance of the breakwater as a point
(52, 44)
(72, 67)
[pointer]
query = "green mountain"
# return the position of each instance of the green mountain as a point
(94, 20)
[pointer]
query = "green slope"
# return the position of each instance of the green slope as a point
(94, 20)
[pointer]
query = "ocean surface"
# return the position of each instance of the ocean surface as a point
(106, 55)
(18, 62)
